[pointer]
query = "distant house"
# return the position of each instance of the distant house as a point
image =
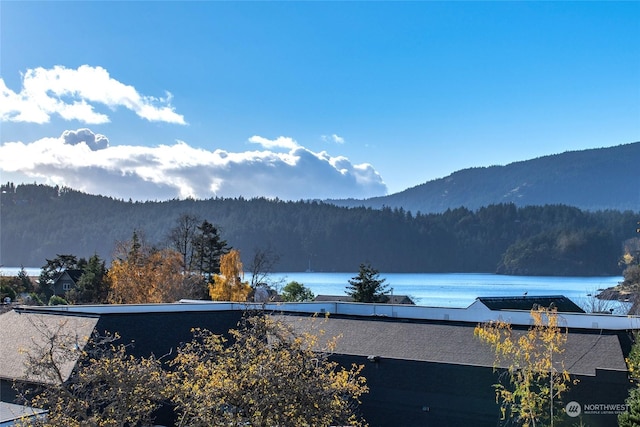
(399, 299)
(67, 281)
(391, 299)
(333, 298)
(560, 302)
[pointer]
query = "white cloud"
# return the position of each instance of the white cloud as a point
(85, 161)
(71, 94)
(94, 141)
(333, 138)
(280, 142)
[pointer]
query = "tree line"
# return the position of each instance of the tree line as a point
(193, 262)
(38, 221)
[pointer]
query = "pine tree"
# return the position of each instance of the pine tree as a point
(367, 286)
(632, 417)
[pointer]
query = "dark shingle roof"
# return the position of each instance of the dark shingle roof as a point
(450, 343)
(73, 274)
(332, 298)
(399, 299)
(562, 303)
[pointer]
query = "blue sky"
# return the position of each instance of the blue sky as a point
(157, 100)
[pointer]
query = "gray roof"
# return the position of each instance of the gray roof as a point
(74, 275)
(526, 302)
(345, 298)
(391, 299)
(386, 337)
(399, 299)
(452, 343)
(21, 334)
(10, 412)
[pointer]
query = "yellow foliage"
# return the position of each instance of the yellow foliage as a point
(228, 285)
(269, 376)
(153, 277)
(110, 388)
(537, 377)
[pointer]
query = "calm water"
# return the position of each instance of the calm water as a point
(457, 289)
(441, 290)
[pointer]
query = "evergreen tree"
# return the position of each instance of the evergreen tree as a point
(367, 286)
(93, 284)
(209, 248)
(25, 282)
(631, 418)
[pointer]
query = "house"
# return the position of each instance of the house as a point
(66, 281)
(423, 364)
(560, 302)
(333, 298)
(399, 299)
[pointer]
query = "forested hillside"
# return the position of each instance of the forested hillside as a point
(598, 179)
(38, 222)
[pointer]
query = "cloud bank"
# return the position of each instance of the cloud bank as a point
(281, 168)
(72, 93)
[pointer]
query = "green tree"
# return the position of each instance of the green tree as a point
(537, 378)
(631, 418)
(6, 290)
(209, 248)
(25, 281)
(93, 284)
(267, 376)
(56, 300)
(367, 286)
(296, 292)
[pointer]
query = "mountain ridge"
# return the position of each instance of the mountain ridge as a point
(591, 179)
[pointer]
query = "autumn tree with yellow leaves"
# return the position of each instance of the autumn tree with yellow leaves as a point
(141, 274)
(107, 387)
(229, 284)
(267, 376)
(536, 377)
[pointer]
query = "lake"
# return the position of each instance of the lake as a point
(440, 289)
(457, 289)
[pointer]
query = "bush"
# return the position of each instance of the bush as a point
(35, 299)
(7, 291)
(56, 300)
